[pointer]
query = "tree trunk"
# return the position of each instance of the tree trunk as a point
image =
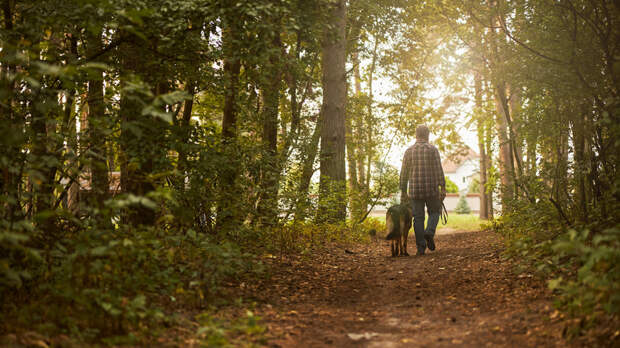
(531, 143)
(11, 125)
(352, 168)
(268, 201)
(100, 186)
(228, 214)
(332, 186)
(368, 131)
(488, 140)
(44, 145)
(505, 158)
(580, 166)
(353, 149)
(489, 156)
(484, 212)
(136, 147)
(515, 115)
(303, 202)
(185, 127)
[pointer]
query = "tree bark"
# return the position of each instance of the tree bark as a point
(578, 128)
(186, 117)
(352, 167)
(332, 186)
(228, 214)
(136, 156)
(268, 201)
(11, 125)
(302, 204)
(488, 140)
(484, 212)
(505, 158)
(368, 131)
(515, 115)
(100, 187)
(352, 144)
(44, 144)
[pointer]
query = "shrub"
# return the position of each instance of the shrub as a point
(462, 207)
(451, 186)
(595, 287)
(474, 186)
(580, 264)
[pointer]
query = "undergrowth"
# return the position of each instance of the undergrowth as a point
(120, 284)
(580, 263)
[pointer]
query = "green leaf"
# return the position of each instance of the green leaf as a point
(555, 283)
(99, 251)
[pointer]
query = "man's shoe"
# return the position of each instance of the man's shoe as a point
(430, 242)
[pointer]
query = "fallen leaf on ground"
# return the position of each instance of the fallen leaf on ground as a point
(365, 335)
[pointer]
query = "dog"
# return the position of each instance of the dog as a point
(398, 223)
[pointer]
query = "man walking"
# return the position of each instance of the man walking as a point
(422, 183)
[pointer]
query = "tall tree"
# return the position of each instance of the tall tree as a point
(332, 186)
(268, 202)
(137, 133)
(227, 210)
(96, 123)
(484, 205)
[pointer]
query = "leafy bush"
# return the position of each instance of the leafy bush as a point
(100, 282)
(580, 264)
(474, 186)
(595, 286)
(451, 186)
(214, 332)
(304, 237)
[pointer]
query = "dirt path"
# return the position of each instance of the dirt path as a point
(463, 294)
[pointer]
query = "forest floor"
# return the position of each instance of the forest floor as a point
(462, 294)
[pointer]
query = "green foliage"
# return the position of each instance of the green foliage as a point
(386, 179)
(197, 202)
(113, 281)
(595, 286)
(580, 264)
(215, 332)
(462, 207)
(451, 186)
(303, 238)
(474, 186)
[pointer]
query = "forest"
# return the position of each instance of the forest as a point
(180, 172)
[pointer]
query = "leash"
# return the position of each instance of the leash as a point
(444, 214)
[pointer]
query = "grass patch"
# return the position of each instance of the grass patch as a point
(461, 222)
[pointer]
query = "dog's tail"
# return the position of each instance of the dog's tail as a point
(392, 222)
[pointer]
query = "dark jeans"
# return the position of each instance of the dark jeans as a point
(433, 205)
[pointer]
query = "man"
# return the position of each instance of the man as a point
(422, 183)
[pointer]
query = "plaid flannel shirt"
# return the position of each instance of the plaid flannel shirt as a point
(421, 171)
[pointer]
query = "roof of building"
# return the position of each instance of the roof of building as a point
(452, 163)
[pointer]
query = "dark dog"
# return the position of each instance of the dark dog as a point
(398, 223)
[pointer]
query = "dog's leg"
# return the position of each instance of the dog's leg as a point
(403, 236)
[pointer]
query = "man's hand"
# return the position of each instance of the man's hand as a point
(442, 193)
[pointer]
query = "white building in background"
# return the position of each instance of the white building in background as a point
(462, 169)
